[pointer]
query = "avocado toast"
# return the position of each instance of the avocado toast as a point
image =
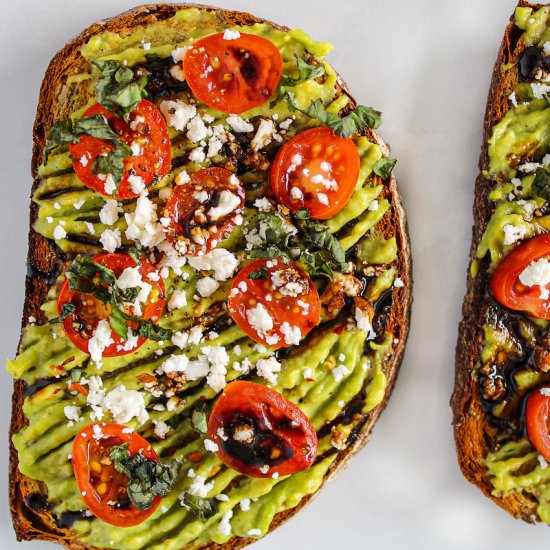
(501, 370)
(340, 373)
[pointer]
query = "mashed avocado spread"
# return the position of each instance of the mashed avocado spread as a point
(518, 146)
(323, 375)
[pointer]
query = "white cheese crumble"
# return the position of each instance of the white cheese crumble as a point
(231, 35)
(537, 273)
(268, 368)
(239, 125)
(136, 184)
(177, 113)
(224, 526)
(177, 300)
(339, 372)
(73, 413)
(539, 90)
(254, 532)
(207, 286)
(292, 334)
(79, 204)
(111, 239)
(259, 318)
(199, 487)
(126, 404)
(109, 212)
(513, 234)
(210, 446)
(197, 155)
(264, 134)
(398, 283)
(196, 129)
(59, 233)
(100, 340)
(373, 206)
(219, 260)
(245, 504)
(161, 428)
(322, 198)
(228, 202)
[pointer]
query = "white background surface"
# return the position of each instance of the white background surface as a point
(426, 64)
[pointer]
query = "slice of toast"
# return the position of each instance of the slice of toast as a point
(475, 435)
(32, 517)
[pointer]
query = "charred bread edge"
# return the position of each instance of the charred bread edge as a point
(36, 522)
(472, 430)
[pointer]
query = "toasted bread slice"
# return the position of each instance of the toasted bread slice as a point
(32, 516)
(475, 434)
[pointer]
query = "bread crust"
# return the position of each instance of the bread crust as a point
(472, 429)
(36, 522)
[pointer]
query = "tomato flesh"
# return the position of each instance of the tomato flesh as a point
(80, 325)
(537, 420)
(507, 287)
(146, 129)
(103, 488)
(279, 308)
(204, 211)
(260, 433)
(317, 170)
(233, 76)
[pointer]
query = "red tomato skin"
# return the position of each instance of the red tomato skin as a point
(257, 401)
(508, 289)
(305, 144)
(246, 89)
(117, 262)
(238, 305)
(181, 205)
(153, 164)
(80, 457)
(537, 416)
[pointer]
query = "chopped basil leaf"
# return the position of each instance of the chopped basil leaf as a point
(93, 278)
(135, 252)
(384, 167)
(147, 478)
(201, 508)
(316, 235)
(69, 131)
(258, 273)
(199, 418)
(112, 162)
(76, 375)
(307, 70)
(357, 120)
(119, 89)
(67, 309)
(323, 253)
(541, 183)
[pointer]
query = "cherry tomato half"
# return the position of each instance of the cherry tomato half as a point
(233, 76)
(506, 286)
(277, 306)
(204, 211)
(80, 325)
(103, 488)
(317, 170)
(260, 433)
(146, 129)
(537, 420)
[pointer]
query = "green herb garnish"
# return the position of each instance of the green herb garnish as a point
(201, 508)
(94, 278)
(357, 120)
(541, 183)
(63, 132)
(384, 167)
(147, 478)
(118, 89)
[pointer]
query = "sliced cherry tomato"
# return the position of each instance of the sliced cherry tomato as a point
(103, 488)
(273, 303)
(233, 76)
(146, 129)
(204, 211)
(82, 322)
(506, 286)
(537, 420)
(260, 433)
(317, 170)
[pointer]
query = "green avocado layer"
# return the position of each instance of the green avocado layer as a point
(45, 444)
(522, 135)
